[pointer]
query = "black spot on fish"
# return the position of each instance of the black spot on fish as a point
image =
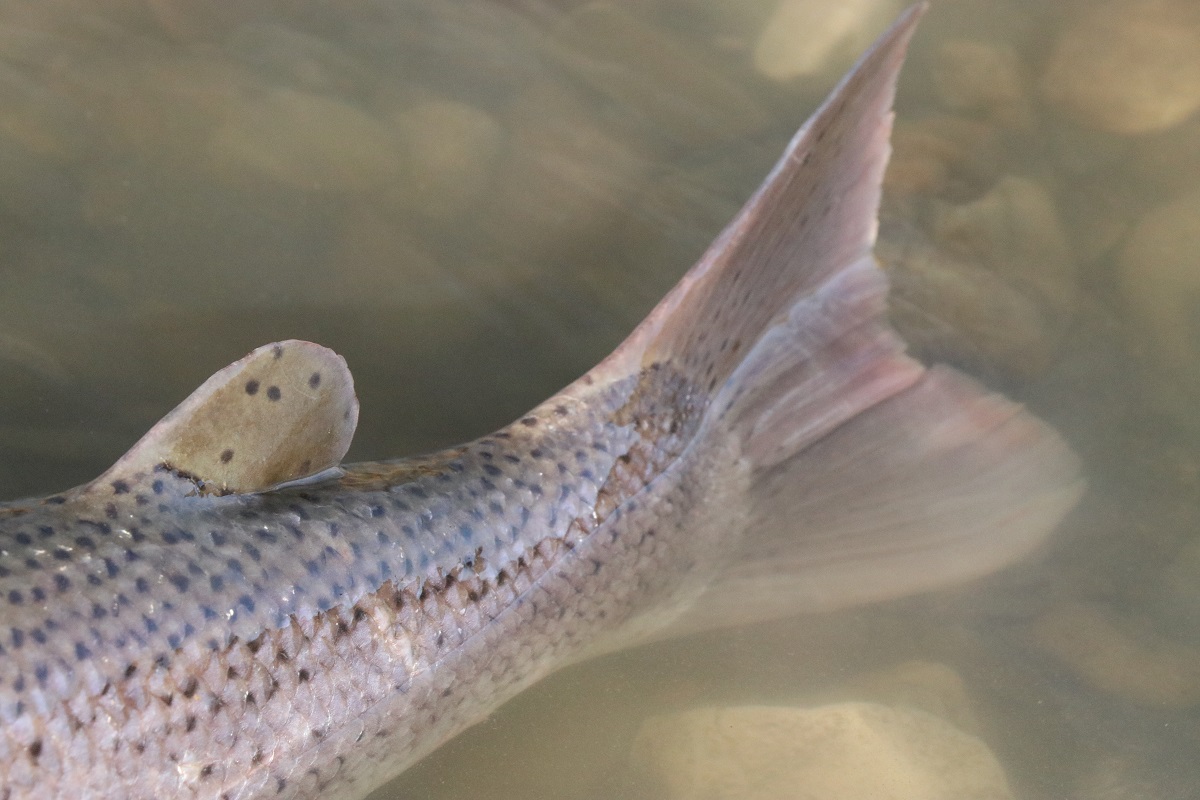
(252, 387)
(277, 351)
(273, 393)
(15, 597)
(82, 653)
(226, 456)
(23, 538)
(62, 583)
(314, 380)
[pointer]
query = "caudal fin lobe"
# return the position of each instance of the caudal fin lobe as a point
(872, 476)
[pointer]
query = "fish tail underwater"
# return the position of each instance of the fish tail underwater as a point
(759, 446)
(863, 474)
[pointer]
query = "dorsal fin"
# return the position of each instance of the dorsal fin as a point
(282, 413)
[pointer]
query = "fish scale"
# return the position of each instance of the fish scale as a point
(425, 554)
(228, 614)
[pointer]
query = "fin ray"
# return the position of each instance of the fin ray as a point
(939, 484)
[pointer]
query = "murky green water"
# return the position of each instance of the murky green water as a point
(474, 201)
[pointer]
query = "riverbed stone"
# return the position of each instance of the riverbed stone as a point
(306, 141)
(843, 751)
(656, 76)
(992, 285)
(452, 152)
(1159, 278)
(1127, 66)
(1121, 655)
(806, 38)
(984, 78)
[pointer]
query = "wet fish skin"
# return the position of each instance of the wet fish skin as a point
(184, 626)
(416, 593)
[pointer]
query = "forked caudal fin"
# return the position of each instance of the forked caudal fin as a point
(872, 477)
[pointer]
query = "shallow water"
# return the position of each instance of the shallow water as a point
(473, 202)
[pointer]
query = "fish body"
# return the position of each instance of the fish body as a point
(226, 613)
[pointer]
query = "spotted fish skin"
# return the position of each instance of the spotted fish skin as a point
(187, 626)
(314, 640)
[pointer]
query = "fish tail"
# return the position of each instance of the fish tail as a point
(870, 476)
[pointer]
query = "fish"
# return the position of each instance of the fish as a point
(229, 612)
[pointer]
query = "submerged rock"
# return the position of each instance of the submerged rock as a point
(1160, 281)
(1121, 656)
(845, 751)
(656, 76)
(927, 686)
(307, 141)
(1128, 66)
(932, 153)
(985, 78)
(993, 287)
(1015, 230)
(804, 38)
(452, 152)
(563, 175)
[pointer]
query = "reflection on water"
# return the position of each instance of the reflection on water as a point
(474, 201)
